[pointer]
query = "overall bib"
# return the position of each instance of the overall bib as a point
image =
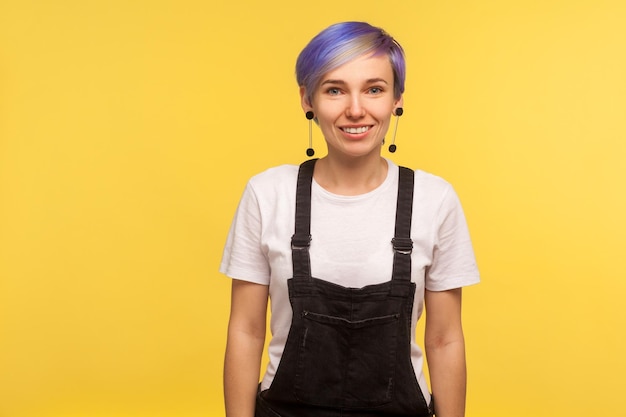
(348, 349)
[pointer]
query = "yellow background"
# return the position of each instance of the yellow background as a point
(128, 129)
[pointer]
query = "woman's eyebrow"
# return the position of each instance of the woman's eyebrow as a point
(377, 80)
(341, 82)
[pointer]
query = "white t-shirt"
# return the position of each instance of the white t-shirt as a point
(350, 246)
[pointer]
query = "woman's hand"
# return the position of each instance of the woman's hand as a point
(246, 339)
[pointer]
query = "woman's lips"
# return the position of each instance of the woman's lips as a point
(356, 130)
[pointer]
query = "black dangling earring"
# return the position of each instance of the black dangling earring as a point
(399, 112)
(310, 115)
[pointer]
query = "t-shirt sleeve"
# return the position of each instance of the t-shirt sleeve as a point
(454, 263)
(243, 256)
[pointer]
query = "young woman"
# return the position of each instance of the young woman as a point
(350, 248)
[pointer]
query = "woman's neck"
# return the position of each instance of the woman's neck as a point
(350, 176)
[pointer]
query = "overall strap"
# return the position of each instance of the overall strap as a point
(402, 243)
(301, 240)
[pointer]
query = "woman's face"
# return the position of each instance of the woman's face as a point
(353, 105)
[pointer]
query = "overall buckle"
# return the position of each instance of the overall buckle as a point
(300, 242)
(403, 245)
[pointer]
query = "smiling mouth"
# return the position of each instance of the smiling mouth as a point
(356, 130)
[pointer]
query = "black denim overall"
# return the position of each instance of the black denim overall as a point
(348, 349)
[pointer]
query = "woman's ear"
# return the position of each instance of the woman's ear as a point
(304, 100)
(398, 103)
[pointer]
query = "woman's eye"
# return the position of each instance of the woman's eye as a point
(333, 91)
(376, 90)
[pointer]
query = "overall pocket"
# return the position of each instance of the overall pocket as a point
(344, 363)
(262, 409)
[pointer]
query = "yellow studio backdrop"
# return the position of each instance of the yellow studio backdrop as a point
(129, 128)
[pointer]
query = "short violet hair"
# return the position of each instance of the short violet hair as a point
(341, 43)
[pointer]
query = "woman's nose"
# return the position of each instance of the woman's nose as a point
(355, 108)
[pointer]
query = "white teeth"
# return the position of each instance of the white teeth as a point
(356, 130)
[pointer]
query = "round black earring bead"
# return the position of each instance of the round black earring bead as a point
(309, 115)
(399, 111)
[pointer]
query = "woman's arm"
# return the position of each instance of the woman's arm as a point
(246, 339)
(445, 351)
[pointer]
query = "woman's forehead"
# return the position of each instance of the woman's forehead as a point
(363, 68)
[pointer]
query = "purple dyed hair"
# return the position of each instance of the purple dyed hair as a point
(342, 42)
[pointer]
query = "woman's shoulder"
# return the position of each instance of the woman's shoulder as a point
(277, 177)
(431, 189)
(427, 181)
